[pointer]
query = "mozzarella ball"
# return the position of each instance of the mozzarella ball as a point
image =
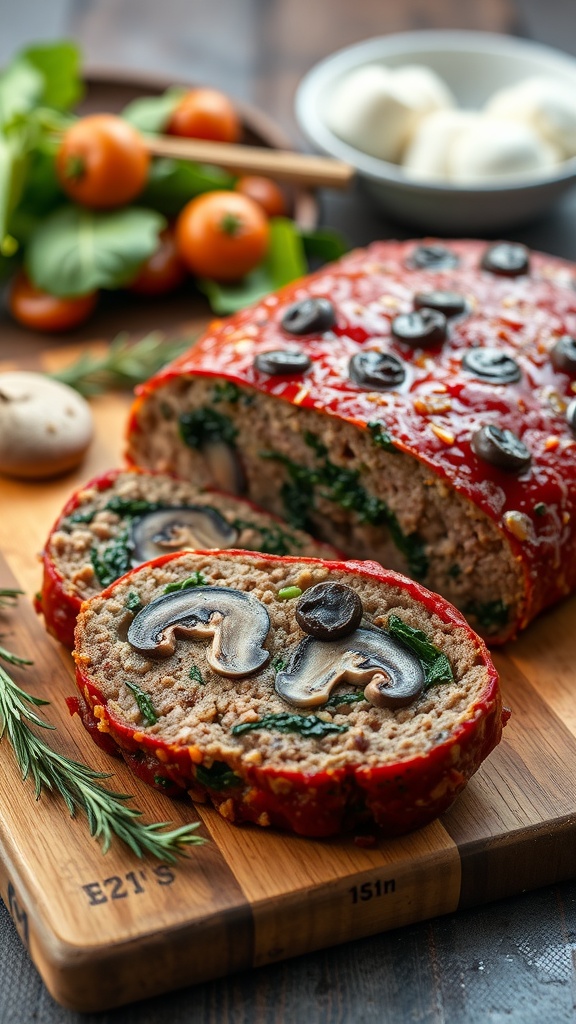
(546, 105)
(427, 153)
(495, 148)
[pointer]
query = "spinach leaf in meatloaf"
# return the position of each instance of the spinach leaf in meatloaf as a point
(145, 705)
(339, 699)
(218, 776)
(490, 615)
(197, 579)
(341, 486)
(273, 539)
(114, 560)
(227, 391)
(437, 668)
(381, 437)
(121, 506)
(305, 725)
(206, 425)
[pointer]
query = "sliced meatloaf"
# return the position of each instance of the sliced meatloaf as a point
(313, 696)
(121, 519)
(412, 403)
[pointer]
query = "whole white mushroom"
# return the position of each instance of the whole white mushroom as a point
(45, 426)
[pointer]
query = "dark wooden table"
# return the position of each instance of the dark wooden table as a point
(513, 961)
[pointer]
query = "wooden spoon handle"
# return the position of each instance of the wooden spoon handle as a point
(298, 168)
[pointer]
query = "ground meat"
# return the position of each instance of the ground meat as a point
(187, 715)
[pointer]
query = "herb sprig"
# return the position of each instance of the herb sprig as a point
(79, 786)
(125, 364)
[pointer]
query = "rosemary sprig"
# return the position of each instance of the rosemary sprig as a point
(125, 364)
(79, 786)
(8, 597)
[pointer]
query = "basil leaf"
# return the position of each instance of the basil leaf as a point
(21, 87)
(283, 263)
(152, 113)
(323, 245)
(173, 183)
(59, 66)
(75, 250)
(437, 668)
(13, 163)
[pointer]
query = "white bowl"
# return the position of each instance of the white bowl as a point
(474, 65)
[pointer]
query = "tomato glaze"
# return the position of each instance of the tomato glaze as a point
(436, 410)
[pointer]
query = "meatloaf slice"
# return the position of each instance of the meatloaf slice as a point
(313, 696)
(121, 519)
(412, 403)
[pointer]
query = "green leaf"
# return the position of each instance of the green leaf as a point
(59, 65)
(21, 87)
(145, 705)
(75, 251)
(437, 668)
(284, 262)
(152, 113)
(173, 183)
(323, 245)
(197, 579)
(218, 776)
(13, 163)
(306, 725)
(285, 259)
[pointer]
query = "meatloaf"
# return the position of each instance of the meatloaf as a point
(121, 519)
(412, 403)
(309, 695)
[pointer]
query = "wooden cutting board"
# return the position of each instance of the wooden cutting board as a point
(105, 930)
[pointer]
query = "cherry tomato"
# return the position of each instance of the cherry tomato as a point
(265, 192)
(102, 162)
(222, 235)
(205, 114)
(163, 271)
(44, 312)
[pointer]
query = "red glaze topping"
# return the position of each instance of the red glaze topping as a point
(435, 412)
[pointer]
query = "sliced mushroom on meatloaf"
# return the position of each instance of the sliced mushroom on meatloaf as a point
(412, 403)
(124, 518)
(309, 695)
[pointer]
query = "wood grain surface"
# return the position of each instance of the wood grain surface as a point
(512, 961)
(104, 932)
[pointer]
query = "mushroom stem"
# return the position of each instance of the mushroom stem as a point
(238, 623)
(366, 656)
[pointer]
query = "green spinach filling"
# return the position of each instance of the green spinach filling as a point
(342, 487)
(273, 539)
(305, 725)
(490, 615)
(437, 668)
(218, 776)
(206, 426)
(145, 705)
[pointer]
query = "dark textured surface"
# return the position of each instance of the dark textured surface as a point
(513, 961)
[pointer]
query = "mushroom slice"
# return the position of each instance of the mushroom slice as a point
(238, 623)
(317, 666)
(224, 464)
(182, 528)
